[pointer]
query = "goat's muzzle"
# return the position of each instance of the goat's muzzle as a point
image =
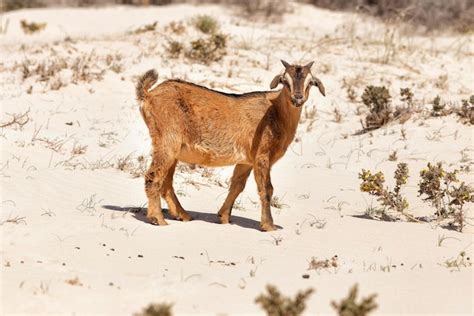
(297, 100)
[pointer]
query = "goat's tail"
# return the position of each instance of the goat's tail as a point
(146, 81)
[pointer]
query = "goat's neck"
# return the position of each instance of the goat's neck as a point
(288, 114)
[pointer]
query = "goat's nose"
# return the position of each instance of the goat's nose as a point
(298, 97)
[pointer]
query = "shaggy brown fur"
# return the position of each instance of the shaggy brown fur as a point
(200, 126)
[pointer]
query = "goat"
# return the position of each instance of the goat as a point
(197, 125)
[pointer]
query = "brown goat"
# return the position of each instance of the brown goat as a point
(200, 126)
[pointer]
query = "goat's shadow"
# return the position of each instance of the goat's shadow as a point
(140, 214)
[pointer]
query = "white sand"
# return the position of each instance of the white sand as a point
(72, 211)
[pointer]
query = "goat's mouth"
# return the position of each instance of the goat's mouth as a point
(297, 102)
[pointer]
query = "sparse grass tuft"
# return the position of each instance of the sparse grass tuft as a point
(350, 307)
(174, 49)
(275, 304)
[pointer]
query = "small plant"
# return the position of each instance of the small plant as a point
(316, 264)
(174, 49)
(161, 309)
(30, 28)
(460, 261)
(176, 27)
(275, 304)
(393, 156)
(377, 99)
(390, 200)
(206, 24)
(406, 96)
(350, 307)
(438, 107)
(466, 112)
(206, 50)
(146, 28)
(437, 187)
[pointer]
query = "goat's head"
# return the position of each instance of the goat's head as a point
(298, 80)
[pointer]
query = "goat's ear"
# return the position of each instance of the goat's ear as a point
(275, 81)
(285, 64)
(320, 85)
(309, 65)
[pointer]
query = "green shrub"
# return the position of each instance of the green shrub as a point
(206, 24)
(390, 200)
(377, 99)
(275, 304)
(437, 187)
(349, 307)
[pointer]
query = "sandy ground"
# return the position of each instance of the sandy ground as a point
(74, 235)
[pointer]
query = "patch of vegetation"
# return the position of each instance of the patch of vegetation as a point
(437, 187)
(206, 24)
(9, 5)
(161, 309)
(207, 50)
(316, 264)
(466, 112)
(30, 28)
(276, 304)
(377, 100)
(350, 307)
(438, 107)
(174, 49)
(176, 27)
(431, 15)
(151, 27)
(457, 263)
(389, 200)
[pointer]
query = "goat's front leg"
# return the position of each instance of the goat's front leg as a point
(239, 178)
(265, 191)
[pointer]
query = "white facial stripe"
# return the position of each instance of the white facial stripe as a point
(307, 81)
(290, 81)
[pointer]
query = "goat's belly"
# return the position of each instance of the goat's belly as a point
(201, 156)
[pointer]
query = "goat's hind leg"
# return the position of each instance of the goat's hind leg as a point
(239, 178)
(154, 180)
(167, 192)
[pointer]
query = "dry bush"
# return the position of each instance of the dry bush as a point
(9, 5)
(177, 28)
(30, 28)
(350, 307)
(174, 49)
(377, 100)
(466, 111)
(207, 50)
(161, 309)
(429, 14)
(316, 264)
(151, 27)
(84, 68)
(275, 304)
(267, 9)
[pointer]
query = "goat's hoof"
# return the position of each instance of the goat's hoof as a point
(156, 221)
(267, 227)
(185, 217)
(224, 219)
